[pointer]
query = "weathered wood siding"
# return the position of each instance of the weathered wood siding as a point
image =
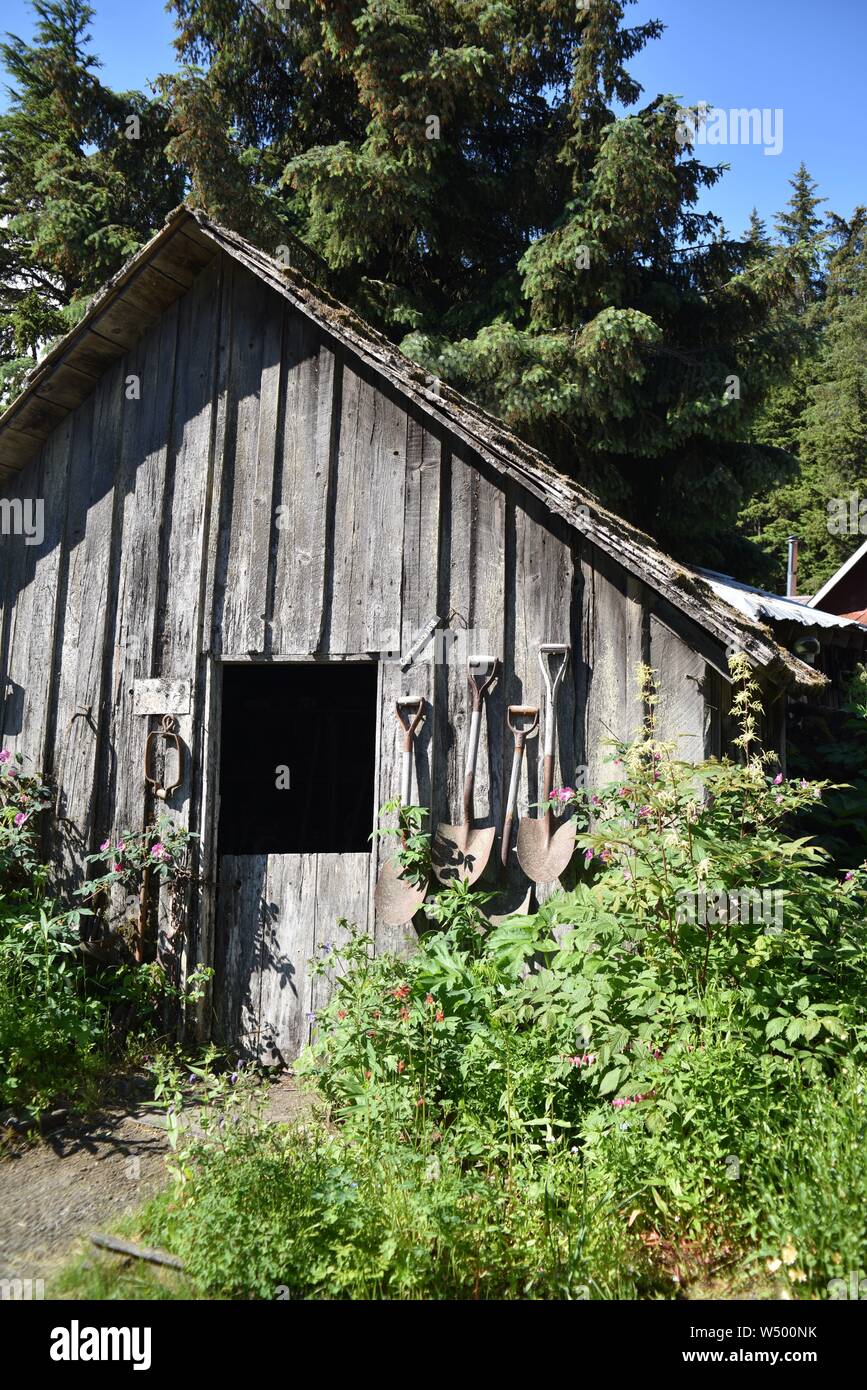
(267, 497)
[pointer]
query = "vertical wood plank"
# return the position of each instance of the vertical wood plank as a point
(145, 444)
(364, 608)
(301, 493)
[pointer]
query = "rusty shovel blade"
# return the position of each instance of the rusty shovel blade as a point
(544, 856)
(459, 852)
(396, 899)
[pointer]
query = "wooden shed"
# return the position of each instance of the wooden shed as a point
(261, 520)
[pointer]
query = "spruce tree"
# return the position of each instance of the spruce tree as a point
(83, 181)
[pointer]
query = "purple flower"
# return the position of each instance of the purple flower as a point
(21, 817)
(5, 755)
(104, 846)
(326, 946)
(233, 1078)
(778, 779)
(848, 876)
(588, 855)
(311, 1016)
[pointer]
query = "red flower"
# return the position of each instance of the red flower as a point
(429, 999)
(377, 1013)
(341, 1013)
(401, 1065)
(440, 1016)
(368, 1075)
(401, 992)
(404, 1013)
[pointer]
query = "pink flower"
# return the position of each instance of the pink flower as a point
(644, 811)
(595, 800)
(104, 846)
(5, 755)
(21, 817)
(159, 851)
(588, 855)
(120, 846)
(585, 1059)
(778, 779)
(779, 800)
(848, 876)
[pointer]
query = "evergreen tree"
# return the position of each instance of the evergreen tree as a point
(83, 181)
(460, 173)
(820, 418)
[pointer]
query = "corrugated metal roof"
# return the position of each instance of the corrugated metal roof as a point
(761, 606)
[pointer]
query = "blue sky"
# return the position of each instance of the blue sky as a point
(805, 58)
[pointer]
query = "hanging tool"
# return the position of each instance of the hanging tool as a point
(520, 735)
(514, 712)
(397, 899)
(544, 855)
(459, 851)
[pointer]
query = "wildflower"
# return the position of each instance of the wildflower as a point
(606, 856)
(429, 999)
(341, 1013)
(404, 1014)
(159, 851)
(371, 1032)
(368, 1075)
(233, 1078)
(779, 800)
(588, 855)
(595, 800)
(644, 812)
(325, 947)
(104, 846)
(5, 755)
(121, 846)
(401, 1066)
(311, 1016)
(401, 992)
(562, 794)
(21, 817)
(778, 779)
(440, 1016)
(585, 1059)
(377, 1013)
(848, 876)
(419, 1102)
(117, 868)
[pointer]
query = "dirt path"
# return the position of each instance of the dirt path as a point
(85, 1176)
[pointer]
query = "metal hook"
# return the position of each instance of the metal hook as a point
(167, 732)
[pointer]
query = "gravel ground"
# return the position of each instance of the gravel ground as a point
(85, 1176)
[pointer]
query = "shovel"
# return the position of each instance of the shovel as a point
(397, 899)
(514, 712)
(544, 855)
(460, 852)
(520, 736)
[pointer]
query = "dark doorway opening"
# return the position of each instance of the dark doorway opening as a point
(297, 758)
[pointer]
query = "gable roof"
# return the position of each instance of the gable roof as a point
(164, 269)
(830, 585)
